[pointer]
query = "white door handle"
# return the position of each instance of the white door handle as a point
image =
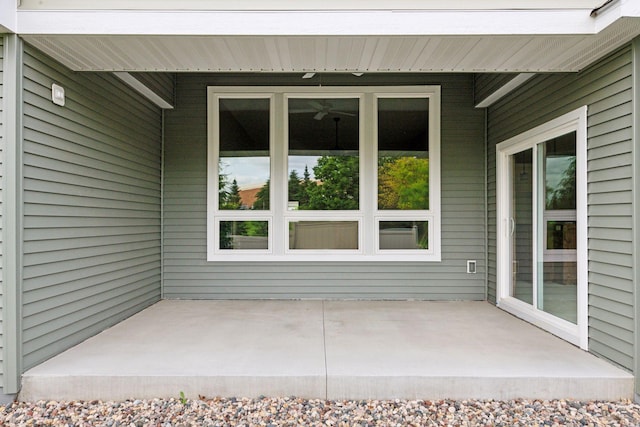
(512, 222)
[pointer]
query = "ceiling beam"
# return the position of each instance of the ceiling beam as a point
(143, 90)
(504, 90)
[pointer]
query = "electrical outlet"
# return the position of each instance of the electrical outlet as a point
(471, 267)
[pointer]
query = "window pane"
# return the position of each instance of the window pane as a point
(561, 235)
(244, 235)
(404, 235)
(244, 166)
(323, 235)
(558, 294)
(560, 172)
(323, 156)
(403, 153)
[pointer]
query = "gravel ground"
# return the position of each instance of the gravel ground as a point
(296, 412)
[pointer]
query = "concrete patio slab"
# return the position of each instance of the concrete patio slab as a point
(392, 349)
(226, 348)
(325, 349)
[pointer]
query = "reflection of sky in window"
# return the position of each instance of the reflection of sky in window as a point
(298, 163)
(253, 172)
(249, 172)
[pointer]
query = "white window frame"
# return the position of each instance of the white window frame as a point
(368, 216)
(574, 121)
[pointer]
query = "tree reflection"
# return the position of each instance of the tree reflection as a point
(563, 196)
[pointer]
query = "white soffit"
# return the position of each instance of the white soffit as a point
(334, 54)
(436, 40)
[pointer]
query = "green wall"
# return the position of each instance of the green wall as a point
(91, 206)
(187, 274)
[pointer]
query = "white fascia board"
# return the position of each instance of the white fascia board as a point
(611, 12)
(630, 8)
(8, 16)
(306, 4)
(308, 23)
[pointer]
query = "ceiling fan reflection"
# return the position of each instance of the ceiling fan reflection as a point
(322, 109)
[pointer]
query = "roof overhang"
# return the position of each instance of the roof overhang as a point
(457, 38)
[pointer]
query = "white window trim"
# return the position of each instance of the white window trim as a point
(368, 216)
(573, 121)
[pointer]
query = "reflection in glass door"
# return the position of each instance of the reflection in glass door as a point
(557, 244)
(547, 280)
(521, 226)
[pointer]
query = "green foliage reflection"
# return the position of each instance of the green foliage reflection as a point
(403, 183)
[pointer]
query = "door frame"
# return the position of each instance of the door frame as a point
(575, 120)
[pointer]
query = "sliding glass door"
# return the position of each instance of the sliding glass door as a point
(542, 229)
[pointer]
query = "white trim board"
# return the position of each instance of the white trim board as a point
(314, 23)
(306, 4)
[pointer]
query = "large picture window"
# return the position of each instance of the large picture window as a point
(324, 174)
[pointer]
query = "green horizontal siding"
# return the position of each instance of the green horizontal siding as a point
(91, 206)
(606, 88)
(187, 274)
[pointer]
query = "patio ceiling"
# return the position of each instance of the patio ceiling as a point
(381, 40)
(334, 54)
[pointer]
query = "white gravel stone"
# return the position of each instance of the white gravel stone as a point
(291, 411)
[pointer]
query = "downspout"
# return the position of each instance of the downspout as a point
(636, 210)
(12, 217)
(486, 203)
(162, 206)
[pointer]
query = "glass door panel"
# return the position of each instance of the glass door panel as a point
(521, 226)
(557, 272)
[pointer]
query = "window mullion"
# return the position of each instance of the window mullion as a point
(278, 173)
(368, 182)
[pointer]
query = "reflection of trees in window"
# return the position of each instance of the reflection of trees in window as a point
(294, 186)
(305, 187)
(232, 200)
(228, 192)
(339, 184)
(262, 197)
(563, 196)
(234, 229)
(223, 194)
(403, 183)
(336, 188)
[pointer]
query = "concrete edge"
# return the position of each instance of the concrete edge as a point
(460, 388)
(120, 388)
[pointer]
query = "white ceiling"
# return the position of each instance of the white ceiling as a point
(335, 53)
